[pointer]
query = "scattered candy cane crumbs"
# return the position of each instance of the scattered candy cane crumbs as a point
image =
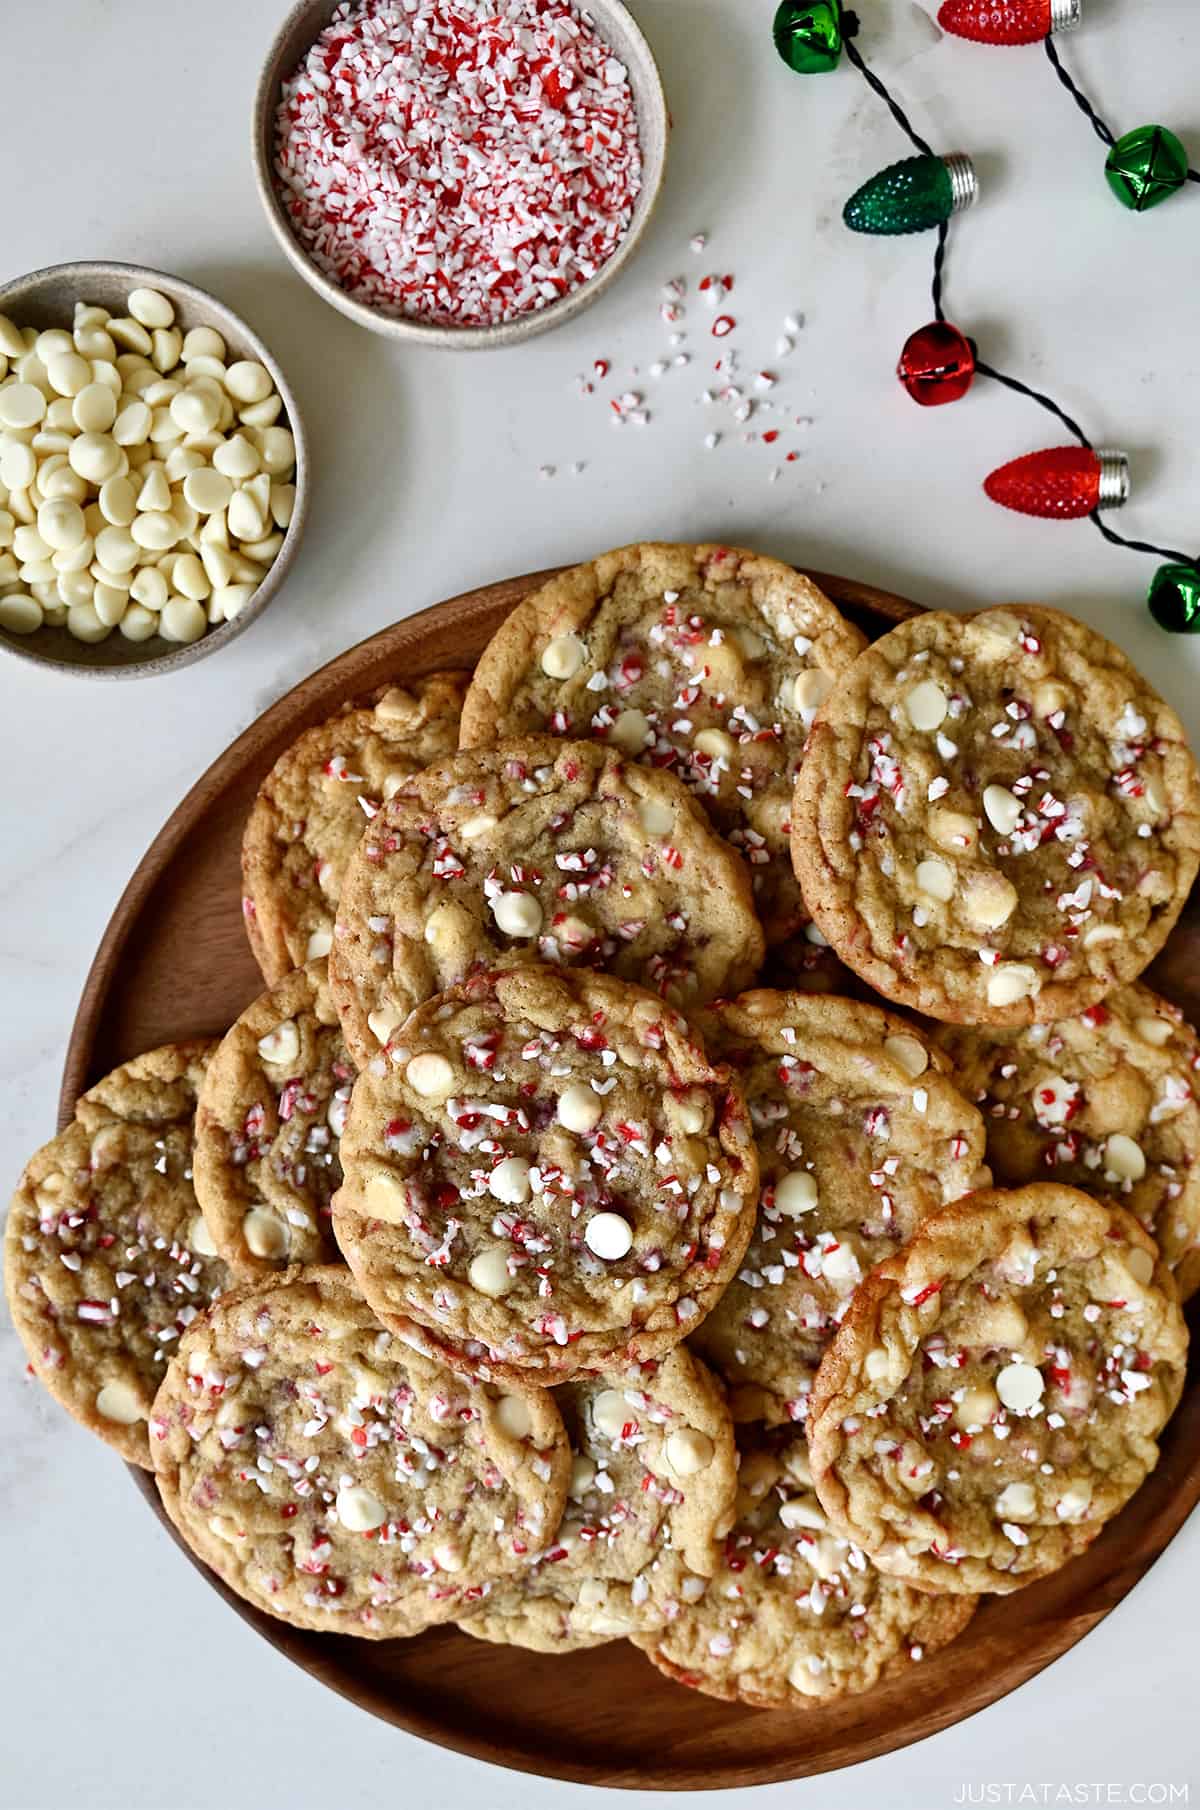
(627, 407)
(459, 164)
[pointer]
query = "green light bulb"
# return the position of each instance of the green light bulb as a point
(911, 196)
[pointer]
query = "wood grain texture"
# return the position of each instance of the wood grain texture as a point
(175, 962)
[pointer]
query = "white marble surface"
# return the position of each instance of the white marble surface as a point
(125, 131)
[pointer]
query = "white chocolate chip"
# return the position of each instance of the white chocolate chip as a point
(1010, 982)
(121, 1403)
(430, 1075)
(609, 1236)
(936, 879)
(1154, 1031)
(448, 1556)
(517, 914)
(953, 830)
(1016, 1503)
(319, 944)
(489, 1275)
(611, 1412)
(282, 1045)
(1001, 808)
(1075, 1500)
(514, 1417)
(199, 1238)
(386, 1198)
(1140, 1265)
(1020, 1387)
(908, 1053)
(657, 818)
(989, 899)
(1124, 1158)
(583, 1475)
(509, 1180)
(715, 744)
(810, 690)
(926, 705)
(630, 731)
(265, 1234)
(841, 1268)
(1049, 697)
(482, 824)
(579, 1109)
(796, 1193)
(877, 1364)
(976, 1407)
(563, 657)
(383, 1021)
(358, 1510)
(688, 1451)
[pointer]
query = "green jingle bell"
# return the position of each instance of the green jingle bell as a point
(1146, 166)
(1175, 599)
(809, 37)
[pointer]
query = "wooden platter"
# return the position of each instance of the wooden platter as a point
(174, 962)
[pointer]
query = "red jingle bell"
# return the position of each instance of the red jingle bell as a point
(937, 364)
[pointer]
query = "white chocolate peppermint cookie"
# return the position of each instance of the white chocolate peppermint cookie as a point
(107, 1259)
(997, 1389)
(997, 821)
(540, 850)
(544, 1175)
(268, 1126)
(708, 662)
(653, 1475)
(793, 1611)
(861, 1135)
(314, 803)
(1105, 1102)
(337, 1480)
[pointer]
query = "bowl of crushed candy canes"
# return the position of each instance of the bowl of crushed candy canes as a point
(460, 173)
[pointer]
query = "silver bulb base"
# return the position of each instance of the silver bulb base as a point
(964, 183)
(1114, 479)
(1065, 15)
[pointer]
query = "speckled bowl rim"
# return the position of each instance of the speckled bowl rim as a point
(654, 122)
(184, 295)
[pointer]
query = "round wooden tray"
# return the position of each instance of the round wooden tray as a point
(174, 962)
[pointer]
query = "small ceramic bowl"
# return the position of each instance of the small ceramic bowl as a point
(47, 298)
(617, 26)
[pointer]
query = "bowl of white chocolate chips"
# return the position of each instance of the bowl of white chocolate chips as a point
(153, 471)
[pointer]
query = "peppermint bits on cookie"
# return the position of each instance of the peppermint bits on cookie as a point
(335, 1479)
(107, 1257)
(479, 1181)
(705, 662)
(268, 1127)
(539, 851)
(997, 1389)
(997, 821)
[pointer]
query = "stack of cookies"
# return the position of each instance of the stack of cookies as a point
(574, 1242)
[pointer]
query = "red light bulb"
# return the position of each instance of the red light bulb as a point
(1062, 483)
(937, 364)
(1008, 21)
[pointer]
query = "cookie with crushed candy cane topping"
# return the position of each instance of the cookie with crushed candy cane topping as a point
(794, 1612)
(653, 1476)
(337, 1480)
(1105, 1102)
(861, 1135)
(544, 1174)
(997, 821)
(708, 662)
(314, 803)
(997, 1389)
(539, 850)
(107, 1259)
(268, 1126)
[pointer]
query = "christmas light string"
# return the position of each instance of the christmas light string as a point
(939, 363)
